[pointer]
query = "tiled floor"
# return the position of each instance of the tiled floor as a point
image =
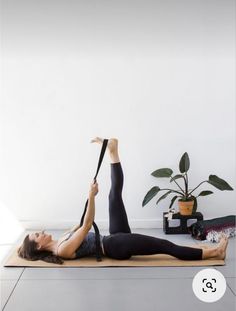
(136, 288)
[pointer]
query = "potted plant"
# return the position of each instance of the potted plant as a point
(187, 200)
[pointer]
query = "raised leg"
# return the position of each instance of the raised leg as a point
(118, 220)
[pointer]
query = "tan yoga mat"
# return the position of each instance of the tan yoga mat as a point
(160, 260)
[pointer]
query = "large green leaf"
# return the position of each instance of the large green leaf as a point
(184, 163)
(206, 192)
(162, 172)
(163, 196)
(219, 183)
(151, 193)
(176, 177)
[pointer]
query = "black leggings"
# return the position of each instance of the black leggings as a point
(122, 244)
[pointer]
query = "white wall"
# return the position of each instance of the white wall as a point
(159, 75)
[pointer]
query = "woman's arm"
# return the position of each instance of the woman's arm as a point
(69, 247)
(90, 213)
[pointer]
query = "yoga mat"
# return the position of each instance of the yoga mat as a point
(160, 260)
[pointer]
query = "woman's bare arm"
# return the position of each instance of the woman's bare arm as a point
(68, 248)
(90, 212)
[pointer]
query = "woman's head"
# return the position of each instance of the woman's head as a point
(42, 240)
(34, 247)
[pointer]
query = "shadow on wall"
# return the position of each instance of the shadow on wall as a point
(10, 227)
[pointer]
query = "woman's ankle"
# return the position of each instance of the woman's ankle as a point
(114, 157)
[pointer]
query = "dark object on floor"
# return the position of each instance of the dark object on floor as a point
(183, 228)
(211, 229)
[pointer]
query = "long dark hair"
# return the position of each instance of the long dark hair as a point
(28, 250)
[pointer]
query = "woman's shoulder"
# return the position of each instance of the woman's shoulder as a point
(65, 237)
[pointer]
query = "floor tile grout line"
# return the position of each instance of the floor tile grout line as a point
(231, 289)
(104, 279)
(230, 277)
(13, 290)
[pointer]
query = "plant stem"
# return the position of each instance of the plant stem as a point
(186, 186)
(172, 191)
(178, 185)
(198, 186)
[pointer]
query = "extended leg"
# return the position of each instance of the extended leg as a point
(124, 245)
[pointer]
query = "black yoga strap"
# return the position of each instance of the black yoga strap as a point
(97, 234)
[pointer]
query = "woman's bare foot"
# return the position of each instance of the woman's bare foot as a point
(222, 246)
(216, 252)
(112, 146)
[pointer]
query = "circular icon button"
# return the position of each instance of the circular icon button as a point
(209, 285)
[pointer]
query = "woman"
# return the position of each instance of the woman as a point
(121, 243)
